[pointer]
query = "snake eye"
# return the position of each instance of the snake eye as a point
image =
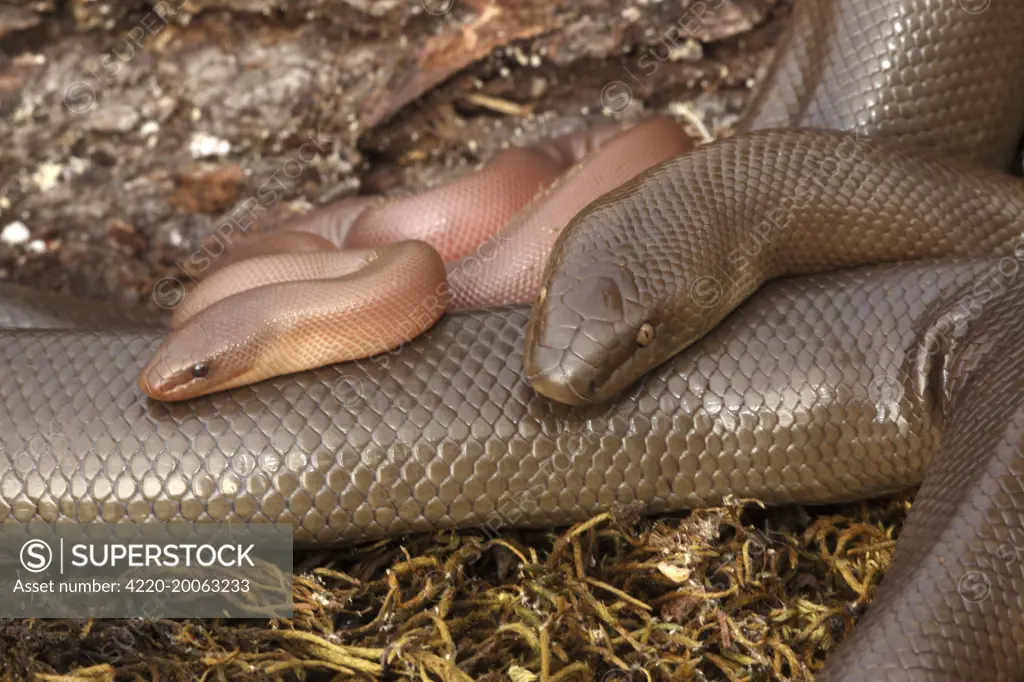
(200, 370)
(645, 334)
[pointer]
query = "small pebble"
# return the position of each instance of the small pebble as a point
(47, 175)
(15, 233)
(203, 145)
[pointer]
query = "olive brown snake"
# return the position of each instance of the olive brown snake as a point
(832, 387)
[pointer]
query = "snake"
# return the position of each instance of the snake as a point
(290, 300)
(880, 351)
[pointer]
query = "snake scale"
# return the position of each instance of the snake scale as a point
(829, 387)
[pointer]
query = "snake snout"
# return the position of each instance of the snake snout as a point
(181, 367)
(163, 376)
(581, 333)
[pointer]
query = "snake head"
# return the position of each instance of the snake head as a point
(580, 335)
(195, 360)
(615, 301)
(600, 323)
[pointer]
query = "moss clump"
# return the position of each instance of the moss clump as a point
(729, 593)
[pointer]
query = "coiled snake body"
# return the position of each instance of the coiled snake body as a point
(831, 387)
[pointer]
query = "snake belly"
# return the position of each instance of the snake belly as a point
(831, 387)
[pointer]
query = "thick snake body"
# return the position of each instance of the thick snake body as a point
(831, 387)
(679, 247)
(293, 301)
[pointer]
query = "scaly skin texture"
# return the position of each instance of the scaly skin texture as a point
(457, 217)
(446, 432)
(939, 75)
(296, 302)
(508, 268)
(648, 269)
(323, 308)
(830, 387)
(932, 75)
(682, 245)
(833, 387)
